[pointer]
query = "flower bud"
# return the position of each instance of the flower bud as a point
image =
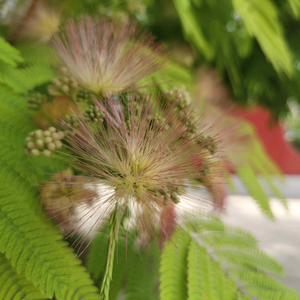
(55, 136)
(51, 146)
(38, 133)
(40, 143)
(47, 133)
(47, 152)
(30, 145)
(48, 140)
(35, 152)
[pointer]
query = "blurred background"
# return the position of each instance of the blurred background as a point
(240, 56)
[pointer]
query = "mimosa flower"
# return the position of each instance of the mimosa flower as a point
(105, 56)
(136, 163)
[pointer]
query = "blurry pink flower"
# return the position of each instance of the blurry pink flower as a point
(105, 56)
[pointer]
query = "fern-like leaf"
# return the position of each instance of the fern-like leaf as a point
(256, 191)
(33, 245)
(173, 274)
(9, 54)
(199, 279)
(230, 268)
(15, 286)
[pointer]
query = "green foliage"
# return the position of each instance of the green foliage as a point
(142, 274)
(23, 77)
(15, 286)
(259, 164)
(253, 45)
(97, 253)
(222, 263)
(173, 273)
(192, 29)
(207, 282)
(256, 191)
(138, 269)
(172, 75)
(34, 248)
(262, 22)
(9, 54)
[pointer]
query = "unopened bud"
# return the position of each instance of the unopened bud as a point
(30, 145)
(35, 152)
(47, 133)
(48, 140)
(51, 146)
(52, 129)
(40, 143)
(47, 152)
(38, 133)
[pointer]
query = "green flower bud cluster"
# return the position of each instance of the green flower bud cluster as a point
(191, 125)
(71, 120)
(43, 142)
(63, 84)
(171, 192)
(183, 98)
(94, 114)
(71, 124)
(129, 123)
(83, 96)
(180, 110)
(35, 100)
(158, 120)
(208, 143)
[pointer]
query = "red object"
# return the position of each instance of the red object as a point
(272, 137)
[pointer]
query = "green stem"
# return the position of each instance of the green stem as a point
(114, 223)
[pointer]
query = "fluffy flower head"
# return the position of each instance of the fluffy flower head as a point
(105, 56)
(138, 159)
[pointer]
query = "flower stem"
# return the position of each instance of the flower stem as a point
(114, 223)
